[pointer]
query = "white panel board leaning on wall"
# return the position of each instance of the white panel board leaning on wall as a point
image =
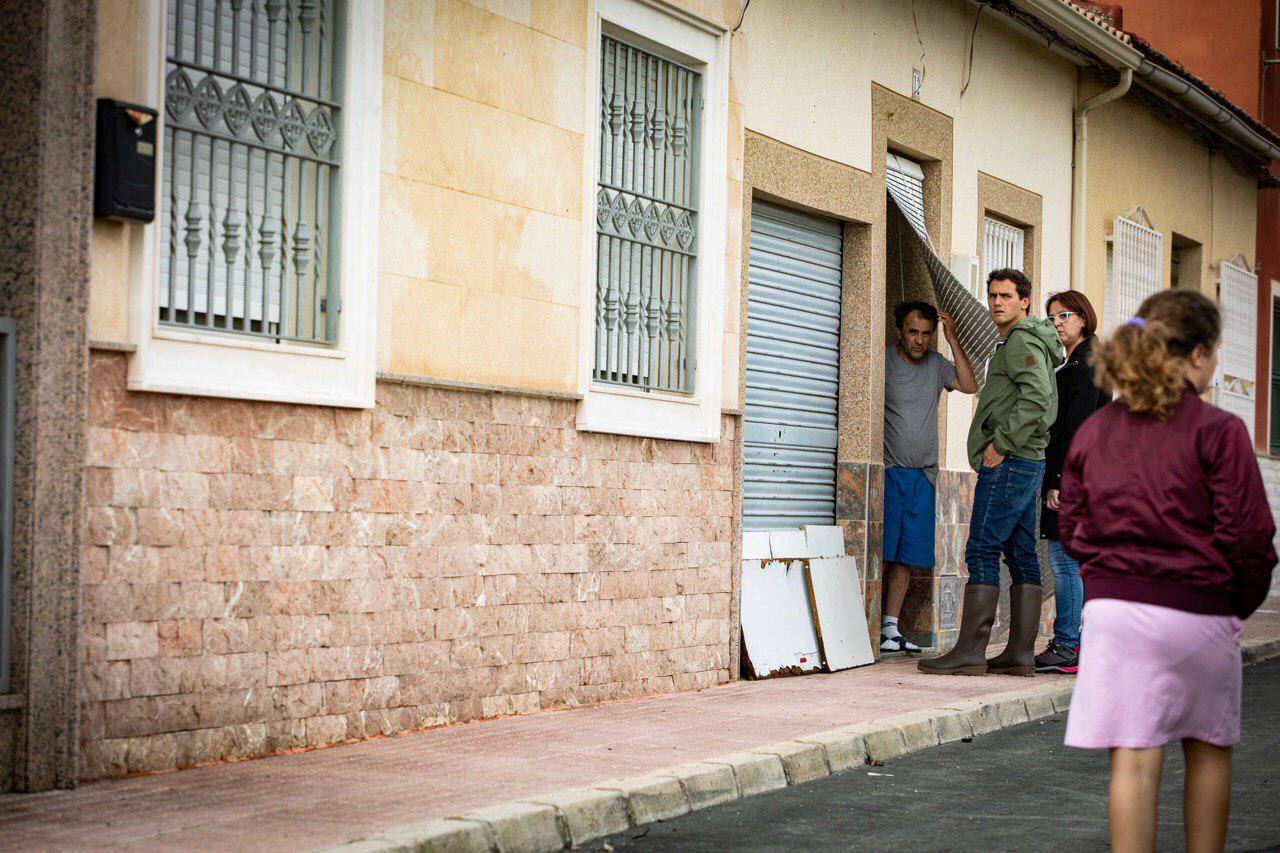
(802, 605)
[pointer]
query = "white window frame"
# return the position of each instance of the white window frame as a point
(218, 364)
(627, 411)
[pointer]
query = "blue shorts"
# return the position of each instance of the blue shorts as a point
(909, 501)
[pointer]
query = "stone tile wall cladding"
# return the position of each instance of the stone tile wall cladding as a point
(955, 508)
(1270, 466)
(261, 577)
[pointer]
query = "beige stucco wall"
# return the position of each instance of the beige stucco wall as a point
(483, 121)
(805, 70)
(110, 256)
(480, 237)
(1136, 159)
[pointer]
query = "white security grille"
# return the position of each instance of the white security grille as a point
(1237, 389)
(1133, 269)
(250, 162)
(1002, 248)
(646, 219)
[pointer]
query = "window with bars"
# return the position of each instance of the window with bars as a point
(1237, 293)
(250, 168)
(646, 219)
(1133, 268)
(1002, 248)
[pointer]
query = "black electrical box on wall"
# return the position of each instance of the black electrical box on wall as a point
(125, 179)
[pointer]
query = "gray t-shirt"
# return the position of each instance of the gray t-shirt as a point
(911, 409)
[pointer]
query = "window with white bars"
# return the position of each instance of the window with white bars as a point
(1133, 268)
(646, 219)
(252, 153)
(1002, 248)
(1237, 388)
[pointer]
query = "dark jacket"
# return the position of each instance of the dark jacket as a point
(1170, 513)
(1078, 398)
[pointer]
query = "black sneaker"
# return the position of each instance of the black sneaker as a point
(1058, 658)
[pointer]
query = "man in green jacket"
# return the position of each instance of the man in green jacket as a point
(1006, 447)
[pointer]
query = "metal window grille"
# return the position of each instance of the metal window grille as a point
(1133, 269)
(646, 219)
(8, 359)
(1237, 389)
(1002, 248)
(250, 167)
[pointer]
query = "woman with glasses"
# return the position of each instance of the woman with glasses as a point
(1078, 398)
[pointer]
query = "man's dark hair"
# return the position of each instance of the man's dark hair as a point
(924, 309)
(1018, 277)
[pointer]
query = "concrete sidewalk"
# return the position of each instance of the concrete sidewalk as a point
(331, 796)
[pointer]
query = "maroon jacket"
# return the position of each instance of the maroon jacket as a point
(1170, 513)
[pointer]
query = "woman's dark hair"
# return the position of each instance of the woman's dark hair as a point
(904, 309)
(1144, 360)
(1077, 303)
(1018, 277)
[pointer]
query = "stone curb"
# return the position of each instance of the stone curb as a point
(569, 819)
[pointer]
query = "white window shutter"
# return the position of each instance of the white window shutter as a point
(1133, 267)
(1237, 386)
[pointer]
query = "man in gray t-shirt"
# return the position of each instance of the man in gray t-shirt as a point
(914, 378)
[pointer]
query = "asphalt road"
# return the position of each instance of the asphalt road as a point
(1017, 789)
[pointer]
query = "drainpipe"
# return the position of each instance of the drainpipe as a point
(1079, 165)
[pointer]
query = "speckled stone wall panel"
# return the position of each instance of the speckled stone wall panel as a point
(46, 167)
(851, 491)
(261, 577)
(917, 618)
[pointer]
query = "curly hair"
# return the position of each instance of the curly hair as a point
(1144, 360)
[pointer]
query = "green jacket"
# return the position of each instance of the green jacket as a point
(1020, 398)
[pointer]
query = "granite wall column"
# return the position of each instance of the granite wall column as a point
(46, 169)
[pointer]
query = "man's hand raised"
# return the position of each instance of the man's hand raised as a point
(948, 324)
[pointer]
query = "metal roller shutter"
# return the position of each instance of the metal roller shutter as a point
(905, 181)
(793, 362)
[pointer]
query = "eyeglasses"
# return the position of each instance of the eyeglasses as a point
(1063, 316)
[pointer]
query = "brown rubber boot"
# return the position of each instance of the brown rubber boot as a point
(969, 655)
(1019, 655)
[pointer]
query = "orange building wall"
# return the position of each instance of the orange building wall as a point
(1216, 41)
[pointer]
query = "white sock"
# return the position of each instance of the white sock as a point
(889, 627)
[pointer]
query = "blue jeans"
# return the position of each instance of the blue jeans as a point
(1004, 522)
(1068, 594)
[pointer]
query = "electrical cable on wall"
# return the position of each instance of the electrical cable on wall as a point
(741, 18)
(973, 38)
(923, 52)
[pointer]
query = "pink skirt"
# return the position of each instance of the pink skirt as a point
(1150, 675)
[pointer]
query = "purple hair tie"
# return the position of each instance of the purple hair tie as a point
(1136, 321)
